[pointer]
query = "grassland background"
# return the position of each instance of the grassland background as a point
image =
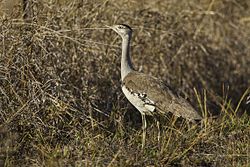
(60, 98)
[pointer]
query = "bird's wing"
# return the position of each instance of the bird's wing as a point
(160, 95)
(248, 100)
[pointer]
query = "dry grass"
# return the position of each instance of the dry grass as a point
(60, 97)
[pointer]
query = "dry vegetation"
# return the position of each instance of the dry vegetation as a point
(60, 98)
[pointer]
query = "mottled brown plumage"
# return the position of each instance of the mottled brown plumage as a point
(160, 95)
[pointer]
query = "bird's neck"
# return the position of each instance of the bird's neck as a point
(126, 64)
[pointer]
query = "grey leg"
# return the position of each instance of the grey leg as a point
(144, 126)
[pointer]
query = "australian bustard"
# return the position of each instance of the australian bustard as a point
(148, 94)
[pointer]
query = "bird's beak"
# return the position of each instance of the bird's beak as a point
(109, 27)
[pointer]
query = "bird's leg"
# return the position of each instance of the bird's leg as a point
(144, 126)
(156, 119)
(159, 130)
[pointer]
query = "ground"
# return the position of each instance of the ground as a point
(61, 102)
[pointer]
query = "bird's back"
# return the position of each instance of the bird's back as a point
(155, 93)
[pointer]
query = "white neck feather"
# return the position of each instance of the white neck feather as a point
(126, 64)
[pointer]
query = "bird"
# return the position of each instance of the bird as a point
(148, 94)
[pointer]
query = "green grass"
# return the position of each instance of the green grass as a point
(60, 98)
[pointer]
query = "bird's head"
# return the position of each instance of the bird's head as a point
(122, 29)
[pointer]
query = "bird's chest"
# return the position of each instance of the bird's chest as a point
(140, 101)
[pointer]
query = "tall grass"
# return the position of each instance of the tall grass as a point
(60, 98)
